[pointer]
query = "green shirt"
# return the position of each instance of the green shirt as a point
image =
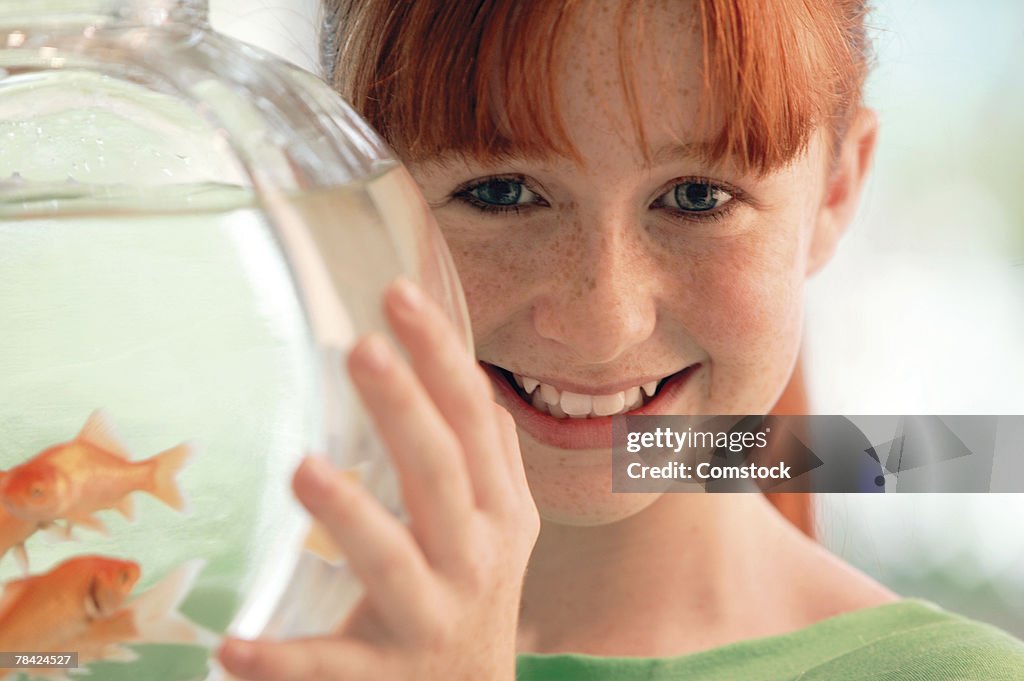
(909, 640)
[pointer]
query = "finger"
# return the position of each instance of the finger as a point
(425, 451)
(523, 508)
(297, 660)
(455, 382)
(511, 456)
(378, 547)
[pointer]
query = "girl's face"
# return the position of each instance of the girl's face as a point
(591, 284)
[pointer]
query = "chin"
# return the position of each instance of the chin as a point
(575, 487)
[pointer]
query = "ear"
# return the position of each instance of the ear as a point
(843, 187)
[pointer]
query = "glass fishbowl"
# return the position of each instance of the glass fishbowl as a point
(192, 234)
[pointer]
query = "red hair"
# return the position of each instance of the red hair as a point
(773, 70)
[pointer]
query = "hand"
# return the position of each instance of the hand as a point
(442, 594)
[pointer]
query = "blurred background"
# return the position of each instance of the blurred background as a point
(922, 310)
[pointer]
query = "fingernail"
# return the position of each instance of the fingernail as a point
(375, 354)
(317, 469)
(237, 650)
(311, 479)
(408, 297)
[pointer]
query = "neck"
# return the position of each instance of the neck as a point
(680, 575)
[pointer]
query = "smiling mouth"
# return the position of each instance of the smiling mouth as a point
(564, 404)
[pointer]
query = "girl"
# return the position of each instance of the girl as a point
(634, 193)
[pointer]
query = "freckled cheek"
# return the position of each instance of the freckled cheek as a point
(744, 302)
(482, 285)
(497, 273)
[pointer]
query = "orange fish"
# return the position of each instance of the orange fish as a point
(93, 472)
(42, 612)
(14, 532)
(151, 617)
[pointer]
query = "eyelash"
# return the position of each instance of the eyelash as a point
(464, 194)
(737, 197)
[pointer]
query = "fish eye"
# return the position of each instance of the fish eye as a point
(36, 491)
(124, 578)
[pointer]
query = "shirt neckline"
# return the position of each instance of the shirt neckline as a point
(786, 640)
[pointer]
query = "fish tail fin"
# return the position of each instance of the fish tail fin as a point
(166, 467)
(156, 615)
(175, 628)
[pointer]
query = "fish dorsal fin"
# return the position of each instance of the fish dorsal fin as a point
(12, 590)
(99, 432)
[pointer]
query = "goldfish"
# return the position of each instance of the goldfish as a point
(43, 612)
(92, 472)
(150, 617)
(14, 532)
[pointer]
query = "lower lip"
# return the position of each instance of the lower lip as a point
(589, 433)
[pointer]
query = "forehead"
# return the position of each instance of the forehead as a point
(496, 78)
(627, 78)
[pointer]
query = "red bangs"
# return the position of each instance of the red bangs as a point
(476, 76)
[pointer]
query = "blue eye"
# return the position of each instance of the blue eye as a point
(500, 195)
(697, 197)
(499, 192)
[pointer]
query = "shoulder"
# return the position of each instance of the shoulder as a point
(950, 646)
(918, 640)
(873, 634)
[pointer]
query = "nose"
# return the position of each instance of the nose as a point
(601, 300)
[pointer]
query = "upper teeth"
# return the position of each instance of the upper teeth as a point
(563, 403)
